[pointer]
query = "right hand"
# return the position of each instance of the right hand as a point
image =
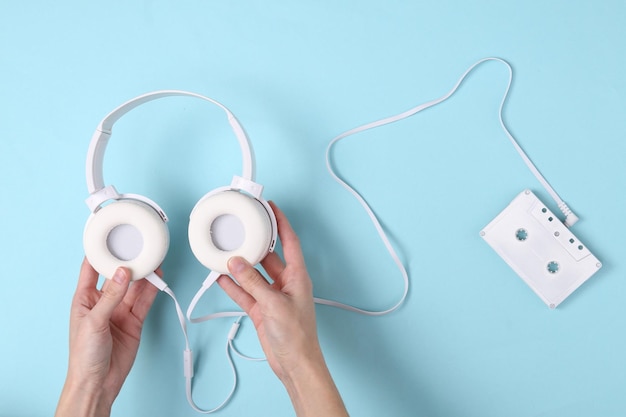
(283, 312)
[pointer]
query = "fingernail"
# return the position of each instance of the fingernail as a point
(119, 276)
(236, 264)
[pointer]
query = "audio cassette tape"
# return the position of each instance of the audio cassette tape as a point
(540, 249)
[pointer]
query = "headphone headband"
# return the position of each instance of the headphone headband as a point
(100, 138)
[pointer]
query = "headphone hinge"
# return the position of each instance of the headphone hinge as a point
(248, 186)
(95, 199)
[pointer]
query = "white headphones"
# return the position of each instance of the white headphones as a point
(130, 230)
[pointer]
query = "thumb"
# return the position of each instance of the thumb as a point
(113, 292)
(249, 278)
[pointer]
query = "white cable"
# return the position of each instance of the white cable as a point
(188, 387)
(400, 266)
(570, 218)
(246, 357)
(231, 336)
(155, 280)
(210, 280)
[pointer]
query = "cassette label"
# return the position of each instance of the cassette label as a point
(540, 249)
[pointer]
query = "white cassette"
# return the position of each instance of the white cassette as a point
(540, 249)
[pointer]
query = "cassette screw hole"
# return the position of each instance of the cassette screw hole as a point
(553, 267)
(521, 235)
(544, 210)
(580, 247)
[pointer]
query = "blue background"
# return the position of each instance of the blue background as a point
(472, 339)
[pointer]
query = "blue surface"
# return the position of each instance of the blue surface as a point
(472, 339)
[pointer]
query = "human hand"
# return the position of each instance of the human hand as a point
(283, 314)
(105, 328)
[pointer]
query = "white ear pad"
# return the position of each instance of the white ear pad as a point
(227, 224)
(126, 233)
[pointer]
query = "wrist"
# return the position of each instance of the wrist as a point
(306, 368)
(83, 400)
(312, 390)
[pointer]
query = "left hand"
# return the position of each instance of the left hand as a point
(105, 328)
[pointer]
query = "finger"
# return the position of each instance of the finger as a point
(249, 278)
(273, 265)
(113, 292)
(143, 295)
(236, 293)
(288, 238)
(87, 278)
(136, 290)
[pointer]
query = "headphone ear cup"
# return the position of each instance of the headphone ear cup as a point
(126, 233)
(226, 224)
